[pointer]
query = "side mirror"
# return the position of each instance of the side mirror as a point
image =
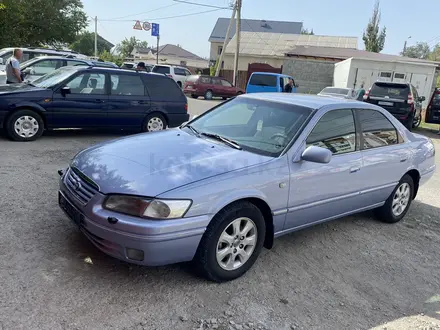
(422, 98)
(27, 71)
(65, 90)
(316, 155)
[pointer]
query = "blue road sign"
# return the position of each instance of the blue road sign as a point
(154, 29)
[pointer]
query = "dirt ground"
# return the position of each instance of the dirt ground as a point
(352, 273)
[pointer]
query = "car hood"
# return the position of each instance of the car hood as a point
(150, 164)
(18, 88)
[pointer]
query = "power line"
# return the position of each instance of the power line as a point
(200, 4)
(145, 12)
(168, 17)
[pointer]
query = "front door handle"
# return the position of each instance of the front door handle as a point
(354, 169)
(403, 159)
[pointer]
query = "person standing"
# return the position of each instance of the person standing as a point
(360, 93)
(13, 73)
(289, 86)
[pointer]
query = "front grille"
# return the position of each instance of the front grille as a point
(79, 188)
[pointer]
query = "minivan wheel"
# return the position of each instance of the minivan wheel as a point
(24, 125)
(417, 121)
(397, 205)
(208, 95)
(232, 242)
(154, 123)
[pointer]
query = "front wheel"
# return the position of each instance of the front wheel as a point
(231, 243)
(25, 125)
(154, 123)
(398, 203)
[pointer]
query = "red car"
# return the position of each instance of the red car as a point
(209, 87)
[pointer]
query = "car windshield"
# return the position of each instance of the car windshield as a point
(333, 90)
(394, 91)
(257, 126)
(161, 69)
(55, 77)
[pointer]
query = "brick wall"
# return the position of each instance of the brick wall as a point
(311, 75)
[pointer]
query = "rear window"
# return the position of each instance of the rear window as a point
(162, 88)
(331, 90)
(161, 69)
(192, 79)
(396, 91)
(263, 80)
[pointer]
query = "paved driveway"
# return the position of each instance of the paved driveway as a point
(353, 273)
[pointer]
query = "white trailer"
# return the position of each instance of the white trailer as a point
(361, 72)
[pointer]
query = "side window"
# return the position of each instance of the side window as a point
(226, 83)
(88, 83)
(335, 131)
(26, 56)
(162, 89)
(377, 130)
(216, 81)
(123, 84)
(45, 66)
(205, 80)
(76, 63)
(179, 72)
(188, 73)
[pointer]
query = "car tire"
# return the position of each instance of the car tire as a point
(24, 125)
(224, 98)
(180, 84)
(416, 123)
(231, 223)
(194, 96)
(208, 95)
(398, 203)
(154, 122)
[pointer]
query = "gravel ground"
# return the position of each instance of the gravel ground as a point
(352, 273)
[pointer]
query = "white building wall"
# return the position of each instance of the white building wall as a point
(341, 73)
(213, 54)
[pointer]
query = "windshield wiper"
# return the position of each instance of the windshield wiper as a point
(196, 132)
(227, 141)
(29, 83)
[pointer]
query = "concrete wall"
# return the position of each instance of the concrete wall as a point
(311, 76)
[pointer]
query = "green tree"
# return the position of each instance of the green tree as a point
(40, 22)
(374, 38)
(306, 31)
(85, 44)
(108, 57)
(435, 54)
(127, 45)
(419, 50)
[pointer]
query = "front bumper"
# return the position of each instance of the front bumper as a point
(158, 242)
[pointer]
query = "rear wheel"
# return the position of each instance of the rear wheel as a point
(154, 123)
(208, 95)
(24, 125)
(231, 243)
(417, 121)
(397, 205)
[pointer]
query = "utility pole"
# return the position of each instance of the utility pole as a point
(157, 50)
(225, 43)
(237, 36)
(96, 37)
(404, 45)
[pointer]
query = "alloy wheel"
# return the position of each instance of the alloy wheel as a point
(401, 199)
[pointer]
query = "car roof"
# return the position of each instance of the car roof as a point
(271, 74)
(60, 58)
(308, 101)
(392, 83)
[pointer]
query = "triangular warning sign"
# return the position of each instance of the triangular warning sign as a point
(137, 26)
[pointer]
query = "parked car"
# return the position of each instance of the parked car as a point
(400, 99)
(32, 52)
(432, 115)
(42, 65)
(251, 169)
(344, 93)
(133, 65)
(91, 97)
(210, 87)
(178, 73)
(268, 82)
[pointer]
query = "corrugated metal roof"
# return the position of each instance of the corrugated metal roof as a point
(277, 44)
(173, 50)
(218, 34)
(344, 53)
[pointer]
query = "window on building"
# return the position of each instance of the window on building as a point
(399, 76)
(377, 130)
(385, 75)
(335, 131)
(219, 50)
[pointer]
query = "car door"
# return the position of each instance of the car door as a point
(228, 89)
(385, 156)
(320, 192)
(86, 104)
(128, 101)
(42, 67)
(217, 87)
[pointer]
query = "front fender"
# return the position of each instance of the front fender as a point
(27, 105)
(234, 196)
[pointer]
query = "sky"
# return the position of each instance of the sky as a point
(402, 18)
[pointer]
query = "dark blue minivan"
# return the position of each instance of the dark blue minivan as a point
(92, 98)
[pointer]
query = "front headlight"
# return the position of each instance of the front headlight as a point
(147, 208)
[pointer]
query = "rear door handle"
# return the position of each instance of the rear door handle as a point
(354, 169)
